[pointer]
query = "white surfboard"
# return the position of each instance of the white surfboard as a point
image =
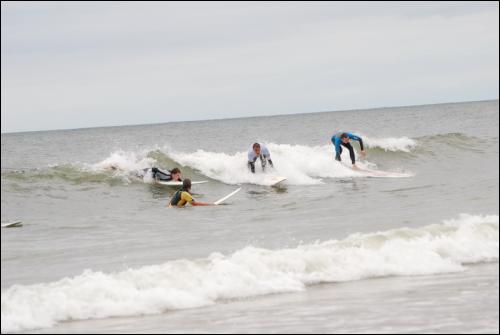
(14, 224)
(377, 173)
(387, 174)
(179, 183)
(221, 200)
(277, 180)
(382, 174)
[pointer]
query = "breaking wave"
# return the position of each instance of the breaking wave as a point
(250, 272)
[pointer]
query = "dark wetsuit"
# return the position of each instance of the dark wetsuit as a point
(159, 175)
(337, 142)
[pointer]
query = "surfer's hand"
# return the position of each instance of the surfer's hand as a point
(363, 153)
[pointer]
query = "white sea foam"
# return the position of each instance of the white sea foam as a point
(124, 161)
(302, 165)
(252, 272)
(125, 164)
(393, 144)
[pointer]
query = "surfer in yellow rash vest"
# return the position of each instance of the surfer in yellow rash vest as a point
(183, 197)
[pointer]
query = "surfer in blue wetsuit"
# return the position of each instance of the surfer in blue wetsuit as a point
(340, 140)
(261, 152)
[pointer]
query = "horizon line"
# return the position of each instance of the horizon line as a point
(246, 117)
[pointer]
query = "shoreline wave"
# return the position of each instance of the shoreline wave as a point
(251, 272)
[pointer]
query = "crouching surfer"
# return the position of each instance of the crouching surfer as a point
(260, 152)
(341, 139)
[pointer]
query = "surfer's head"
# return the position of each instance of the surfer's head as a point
(344, 138)
(186, 185)
(176, 174)
(256, 148)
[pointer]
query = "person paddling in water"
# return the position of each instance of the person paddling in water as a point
(183, 196)
(261, 152)
(340, 140)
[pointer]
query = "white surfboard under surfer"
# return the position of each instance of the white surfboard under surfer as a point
(343, 139)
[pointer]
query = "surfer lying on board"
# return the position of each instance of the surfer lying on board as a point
(172, 175)
(159, 175)
(340, 140)
(183, 196)
(156, 174)
(259, 152)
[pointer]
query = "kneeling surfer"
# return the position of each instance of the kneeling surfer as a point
(183, 196)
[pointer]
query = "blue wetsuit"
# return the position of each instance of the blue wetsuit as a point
(337, 142)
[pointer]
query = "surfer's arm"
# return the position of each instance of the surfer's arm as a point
(197, 203)
(189, 199)
(359, 139)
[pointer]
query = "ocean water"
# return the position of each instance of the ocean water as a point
(330, 250)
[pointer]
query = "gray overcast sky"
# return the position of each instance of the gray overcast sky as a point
(72, 65)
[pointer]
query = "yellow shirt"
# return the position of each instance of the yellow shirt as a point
(184, 199)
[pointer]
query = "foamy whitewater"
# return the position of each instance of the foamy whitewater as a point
(331, 250)
(302, 165)
(251, 272)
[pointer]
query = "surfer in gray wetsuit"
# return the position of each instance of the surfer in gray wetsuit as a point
(261, 152)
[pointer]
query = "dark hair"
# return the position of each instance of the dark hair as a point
(344, 135)
(175, 170)
(186, 184)
(256, 145)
